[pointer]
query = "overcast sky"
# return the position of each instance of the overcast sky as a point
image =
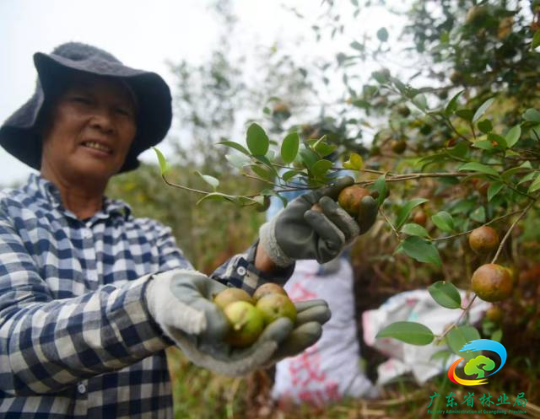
(142, 34)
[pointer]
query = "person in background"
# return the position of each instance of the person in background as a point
(90, 296)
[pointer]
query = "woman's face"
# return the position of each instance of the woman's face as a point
(90, 130)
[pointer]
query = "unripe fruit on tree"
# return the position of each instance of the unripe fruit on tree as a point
(492, 283)
(246, 322)
(266, 289)
(350, 199)
(398, 146)
(456, 77)
(476, 15)
(281, 110)
(443, 94)
(274, 306)
(264, 206)
(420, 218)
(484, 240)
(404, 111)
(231, 295)
(481, 186)
(494, 313)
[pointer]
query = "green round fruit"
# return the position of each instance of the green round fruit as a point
(246, 322)
(231, 295)
(270, 287)
(398, 146)
(275, 306)
(351, 197)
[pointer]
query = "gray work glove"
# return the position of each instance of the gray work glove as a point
(298, 232)
(181, 303)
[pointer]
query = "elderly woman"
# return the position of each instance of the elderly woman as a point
(91, 296)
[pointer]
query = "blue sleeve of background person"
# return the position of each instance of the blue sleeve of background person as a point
(276, 204)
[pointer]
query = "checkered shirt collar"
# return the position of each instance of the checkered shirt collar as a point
(43, 189)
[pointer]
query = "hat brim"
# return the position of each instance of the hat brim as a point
(20, 138)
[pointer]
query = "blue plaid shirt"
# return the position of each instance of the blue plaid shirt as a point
(76, 337)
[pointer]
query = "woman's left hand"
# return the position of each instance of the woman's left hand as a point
(181, 301)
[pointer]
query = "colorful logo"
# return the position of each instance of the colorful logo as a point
(479, 365)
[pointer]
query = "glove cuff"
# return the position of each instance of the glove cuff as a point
(267, 235)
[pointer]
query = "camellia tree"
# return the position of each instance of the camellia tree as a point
(454, 161)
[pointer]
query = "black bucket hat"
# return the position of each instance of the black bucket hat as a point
(19, 136)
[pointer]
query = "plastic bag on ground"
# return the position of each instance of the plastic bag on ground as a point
(330, 369)
(415, 306)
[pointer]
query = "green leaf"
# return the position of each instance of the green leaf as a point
(512, 136)
(322, 148)
(264, 160)
(445, 294)
(535, 185)
(357, 46)
(485, 126)
(536, 40)
(236, 146)
(483, 144)
(479, 214)
(478, 167)
(217, 196)
(381, 187)
(420, 250)
(212, 181)
(463, 206)
(270, 154)
(494, 189)
(421, 102)
(413, 229)
(497, 335)
(452, 104)
(466, 114)
(482, 109)
(289, 174)
(263, 172)
(257, 140)
(380, 76)
(405, 211)
(434, 158)
(237, 160)
(355, 162)
(320, 168)
(444, 221)
(308, 157)
(532, 115)
(382, 34)
(459, 150)
(289, 147)
(501, 141)
(460, 336)
(408, 332)
(164, 167)
(524, 167)
(528, 177)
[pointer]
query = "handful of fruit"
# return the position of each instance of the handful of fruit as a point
(248, 316)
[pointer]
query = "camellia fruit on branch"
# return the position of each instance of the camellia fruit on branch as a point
(350, 199)
(484, 239)
(492, 283)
